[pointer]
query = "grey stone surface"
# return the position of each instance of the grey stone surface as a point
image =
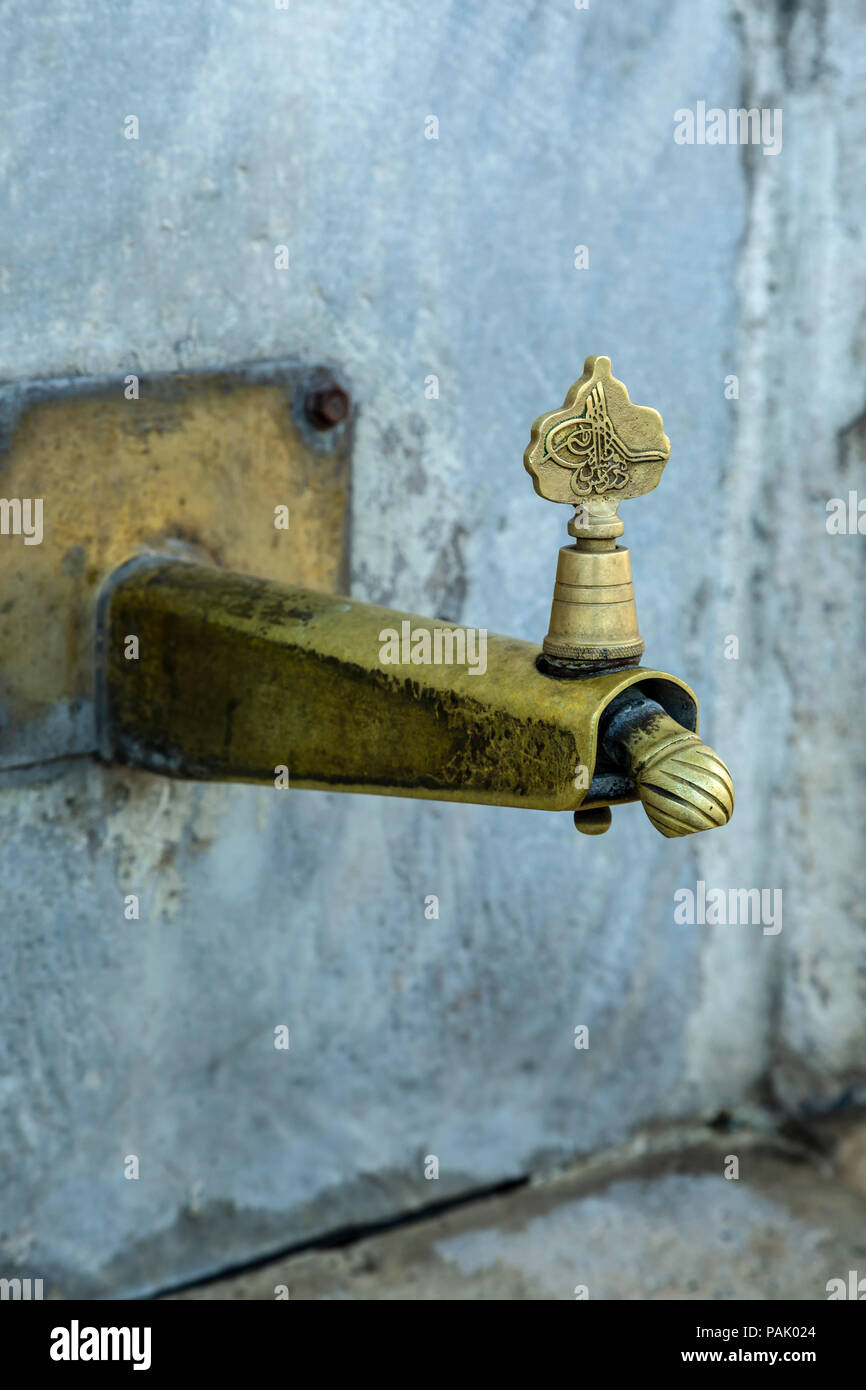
(408, 256)
(660, 1226)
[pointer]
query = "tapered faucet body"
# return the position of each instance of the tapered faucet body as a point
(236, 678)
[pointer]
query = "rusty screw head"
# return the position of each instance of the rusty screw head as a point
(327, 405)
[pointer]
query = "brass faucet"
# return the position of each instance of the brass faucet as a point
(209, 674)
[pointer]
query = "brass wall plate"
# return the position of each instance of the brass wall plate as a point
(195, 466)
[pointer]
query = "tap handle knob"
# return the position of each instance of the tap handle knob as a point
(597, 450)
(683, 784)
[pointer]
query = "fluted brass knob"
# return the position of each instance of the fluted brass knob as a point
(683, 784)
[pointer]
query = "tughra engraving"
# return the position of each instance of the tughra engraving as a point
(597, 443)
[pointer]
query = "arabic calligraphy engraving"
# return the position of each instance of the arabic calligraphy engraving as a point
(590, 447)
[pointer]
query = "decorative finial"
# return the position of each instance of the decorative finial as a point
(597, 450)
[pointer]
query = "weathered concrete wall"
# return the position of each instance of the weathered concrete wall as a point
(654, 1221)
(455, 256)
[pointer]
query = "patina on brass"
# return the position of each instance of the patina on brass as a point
(683, 784)
(238, 677)
(596, 451)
